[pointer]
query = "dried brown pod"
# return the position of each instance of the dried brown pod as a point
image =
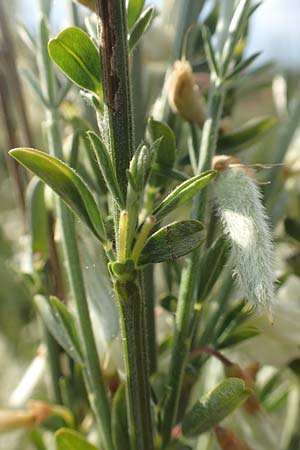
(184, 94)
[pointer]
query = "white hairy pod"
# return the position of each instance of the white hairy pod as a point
(240, 208)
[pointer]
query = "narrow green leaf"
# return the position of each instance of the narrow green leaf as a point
(211, 266)
(242, 66)
(173, 241)
(61, 325)
(134, 9)
(165, 153)
(77, 56)
(66, 439)
(182, 193)
(139, 28)
(239, 334)
(38, 218)
(209, 51)
(35, 85)
(292, 228)
(119, 420)
(88, 4)
(106, 167)
(66, 183)
(215, 406)
(245, 136)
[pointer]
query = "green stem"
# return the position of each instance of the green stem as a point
(53, 362)
(149, 296)
(129, 299)
(116, 85)
(93, 375)
(186, 298)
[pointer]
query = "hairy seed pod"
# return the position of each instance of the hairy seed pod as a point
(244, 220)
(184, 94)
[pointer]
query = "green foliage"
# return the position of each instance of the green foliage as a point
(61, 325)
(119, 419)
(71, 440)
(182, 193)
(173, 241)
(76, 55)
(215, 407)
(139, 28)
(134, 9)
(66, 183)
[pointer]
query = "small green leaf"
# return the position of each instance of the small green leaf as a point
(88, 4)
(77, 56)
(209, 51)
(61, 325)
(66, 183)
(119, 423)
(182, 193)
(38, 218)
(215, 406)
(71, 440)
(242, 66)
(211, 266)
(106, 167)
(134, 9)
(239, 334)
(173, 241)
(140, 27)
(165, 153)
(292, 228)
(247, 135)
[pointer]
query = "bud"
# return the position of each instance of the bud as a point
(184, 94)
(244, 221)
(228, 440)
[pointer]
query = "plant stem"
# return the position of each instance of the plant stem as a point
(92, 372)
(116, 84)
(128, 295)
(186, 298)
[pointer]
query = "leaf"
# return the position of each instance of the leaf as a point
(140, 27)
(211, 266)
(165, 153)
(61, 325)
(106, 167)
(242, 66)
(215, 406)
(134, 9)
(35, 85)
(245, 136)
(38, 218)
(119, 423)
(292, 228)
(182, 193)
(66, 183)
(71, 440)
(209, 51)
(76, 55)
(88, 4)
(173, 241)
(239, 334)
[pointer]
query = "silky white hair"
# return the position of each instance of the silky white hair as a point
(243, 216)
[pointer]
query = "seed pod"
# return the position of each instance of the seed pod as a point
(244, 220)
(184, 94)
(228, 440)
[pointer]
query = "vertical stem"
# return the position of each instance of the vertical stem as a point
(130, 305)
(92, 371)
(186, 298)
(118, 105)
(149, 296)
(116, 84)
